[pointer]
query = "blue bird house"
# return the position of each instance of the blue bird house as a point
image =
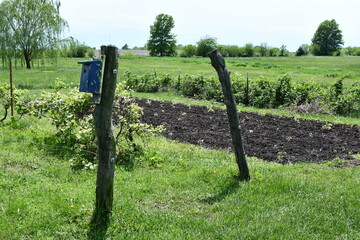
(90, 80)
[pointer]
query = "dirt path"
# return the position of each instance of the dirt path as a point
(269, 137)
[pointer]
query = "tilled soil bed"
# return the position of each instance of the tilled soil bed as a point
(269, 137)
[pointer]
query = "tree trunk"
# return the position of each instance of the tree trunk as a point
(106, 139)
(27, 57)
(218, 62)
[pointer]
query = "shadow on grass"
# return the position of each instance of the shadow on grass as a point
(98, 226)
(227, 190)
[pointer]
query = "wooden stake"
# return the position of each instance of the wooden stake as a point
(218, 62)
(106, 139)
(11, 88)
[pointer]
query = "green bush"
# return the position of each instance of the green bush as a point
(284, 94)
(345, 102)
(148, 83)
(70, 113)
(19, 97)
(261, 93)
(191, 86)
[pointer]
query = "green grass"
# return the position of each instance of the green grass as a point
(178, 191)
(44, 76)
(325, 70)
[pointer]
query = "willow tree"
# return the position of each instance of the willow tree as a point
(29, 27)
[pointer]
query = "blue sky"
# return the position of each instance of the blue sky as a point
(275, 22)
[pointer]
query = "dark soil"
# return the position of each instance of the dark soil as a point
(268, 137)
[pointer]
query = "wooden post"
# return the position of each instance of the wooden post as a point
(218, 62)
(11, 88)
(106, 139)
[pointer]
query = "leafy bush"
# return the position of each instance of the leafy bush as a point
(261, 93)
(19, 97)
(148, 82)
(345, 103)
(284, 94)
(71, 47)
(70, 114)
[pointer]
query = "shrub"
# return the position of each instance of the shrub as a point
(191, 86)
(284, 95)
(345, 103)
(262, 93)
(19, 97)
(148, 83)
(70, 114)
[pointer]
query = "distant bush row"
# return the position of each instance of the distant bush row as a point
(260, 93)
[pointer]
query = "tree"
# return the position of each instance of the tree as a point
(125, 47)
(327, 38)
(188, 51)
(273, 52)
(206, 45)
(283, 51)
(230, 50)
(303, 50)
(262, 49)
(30, 27)
(162, 42)
(249, 50)
(71, 47)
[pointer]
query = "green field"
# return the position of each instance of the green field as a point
(175, 191)
(320, 69)
(324, 70)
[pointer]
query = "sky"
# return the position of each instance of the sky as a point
(231, 22)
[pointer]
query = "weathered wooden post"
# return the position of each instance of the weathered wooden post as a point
(11, 88)
(218, 62)
(106, 139)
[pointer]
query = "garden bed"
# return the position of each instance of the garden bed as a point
(268, 137)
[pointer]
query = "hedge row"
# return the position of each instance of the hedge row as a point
(260, 93)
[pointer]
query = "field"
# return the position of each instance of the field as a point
(179, 190)
(325, 70)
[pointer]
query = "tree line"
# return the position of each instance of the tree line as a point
(35, 32)
(327, 40)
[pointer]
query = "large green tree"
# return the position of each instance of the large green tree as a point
(327, 38)
(206, 45)
(30, 27)
(162, 42)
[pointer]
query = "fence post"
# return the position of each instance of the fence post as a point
(11, 88)
(106, 139)
(247, 94)
(218, 62)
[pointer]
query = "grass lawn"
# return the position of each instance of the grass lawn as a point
(176, 191)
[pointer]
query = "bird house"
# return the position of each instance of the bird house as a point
(90, 76)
